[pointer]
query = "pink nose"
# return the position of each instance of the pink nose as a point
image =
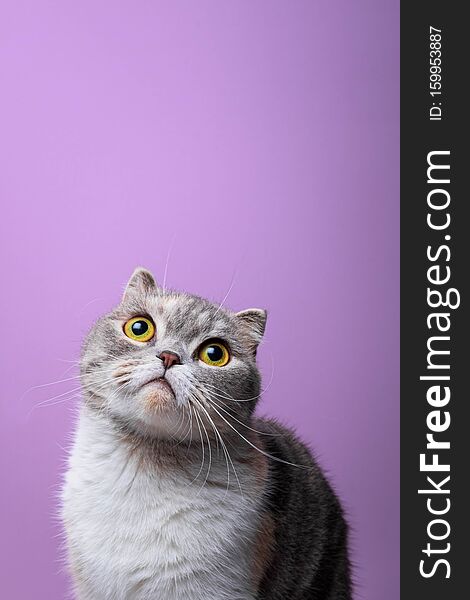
(169, 359)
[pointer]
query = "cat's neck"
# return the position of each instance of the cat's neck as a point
(108, 441)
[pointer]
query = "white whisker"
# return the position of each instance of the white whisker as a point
(256, 447)
(167, 261)
(241, 422)
(228, 292)
(209, 447)
(226, 453)
(202, 445)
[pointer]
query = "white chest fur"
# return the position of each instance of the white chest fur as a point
(140, 534)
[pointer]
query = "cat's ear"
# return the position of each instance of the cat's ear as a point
(254, 322)
(141, 282)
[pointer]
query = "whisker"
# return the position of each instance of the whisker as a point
(191, 427)
(52, 401)
(43, 385)
(191, 424)
(209, 447)
(174, 434)
(181, 423)
(202, 445)
(168, 260)
(59, 381)
(244, 424)
(227, 397)
(218, 392)
(256, 447)
(216, 431)
(66, 360)
(228, 292)
(226, 453)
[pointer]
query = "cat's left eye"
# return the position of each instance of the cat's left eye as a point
(140, 329)
(215, 354)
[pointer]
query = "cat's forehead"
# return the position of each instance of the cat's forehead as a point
(185, 315)
(190, 315)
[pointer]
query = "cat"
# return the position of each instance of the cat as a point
(175, 490)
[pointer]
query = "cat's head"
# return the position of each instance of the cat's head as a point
(161, 356)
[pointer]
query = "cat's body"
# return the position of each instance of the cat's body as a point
(143, 532)
(161, 504)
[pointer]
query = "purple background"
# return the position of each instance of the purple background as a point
(253, 141)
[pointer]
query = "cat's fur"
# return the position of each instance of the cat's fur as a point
(182, 493)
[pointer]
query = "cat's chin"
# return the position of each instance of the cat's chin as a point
(158, 396)
(158, 413)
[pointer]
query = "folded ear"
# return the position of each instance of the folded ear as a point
(254, 321)
(141, 282)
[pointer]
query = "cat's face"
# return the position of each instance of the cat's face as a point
(162, 356)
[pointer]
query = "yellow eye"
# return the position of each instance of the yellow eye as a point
(140, 329)
(214, 354)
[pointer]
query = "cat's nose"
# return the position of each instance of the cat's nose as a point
(169, 359)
